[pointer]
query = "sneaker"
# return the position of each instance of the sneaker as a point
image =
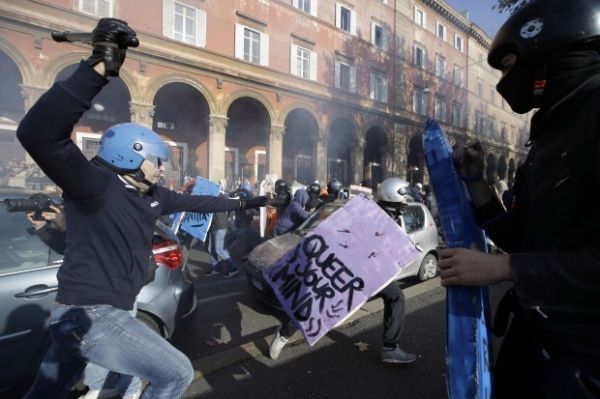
(230, 273)
(277, 345)
(396, 355)
(212, 272)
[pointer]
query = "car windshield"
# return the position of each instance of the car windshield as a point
(318, 216)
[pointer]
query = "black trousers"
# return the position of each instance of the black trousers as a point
(525, 370)
(393, 316)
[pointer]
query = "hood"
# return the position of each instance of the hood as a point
(301, 196)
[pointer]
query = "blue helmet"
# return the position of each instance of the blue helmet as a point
(125, 146)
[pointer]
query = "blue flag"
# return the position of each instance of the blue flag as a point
(468, 345)
(196, 223)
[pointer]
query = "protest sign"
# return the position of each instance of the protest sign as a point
(196, 223)
(334, 270)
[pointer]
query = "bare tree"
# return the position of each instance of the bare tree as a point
(509, 5)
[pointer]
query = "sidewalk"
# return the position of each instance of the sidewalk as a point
(256, 348)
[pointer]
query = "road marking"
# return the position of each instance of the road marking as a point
(214, 298)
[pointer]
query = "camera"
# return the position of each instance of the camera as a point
(37, 203)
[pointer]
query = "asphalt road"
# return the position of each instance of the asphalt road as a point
(345, 363)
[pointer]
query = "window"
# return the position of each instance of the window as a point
(458, 43)
(413, 218)
(99, 8)
(378, 36)
(479, 122)
(419, 102)
(308, 6)
(345, 77)
(440, 66)
(184, 28)
(481, 58)
(303, 62)
(184, 23)
(441, 31)
(457, 114)
(457, 79)
(345, 18)
(379, 88)
(479, 88)
(420, 17)
(439, 109)
(419, 57)
(251, 45)
(493, 95)
(503, 102)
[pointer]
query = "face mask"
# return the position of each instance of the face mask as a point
(516, 87)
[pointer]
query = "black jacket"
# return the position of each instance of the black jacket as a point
(109, 226)
(553, 231)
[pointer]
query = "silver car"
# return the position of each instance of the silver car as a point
(417, 221)
(28, 287)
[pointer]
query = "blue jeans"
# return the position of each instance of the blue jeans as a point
(217, 251)
(99, 379)
(113, 339)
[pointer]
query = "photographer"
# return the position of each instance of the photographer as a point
(111, 205)
(50, 228)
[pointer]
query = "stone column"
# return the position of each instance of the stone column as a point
(217, 126)
(359, 161)
(275, 152)
(399, 150)
(321, 158)
(142, 114)
(30, 95)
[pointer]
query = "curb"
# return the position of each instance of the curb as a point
(252, 349)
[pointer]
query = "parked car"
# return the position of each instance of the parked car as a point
(28, 287)
(417, 221)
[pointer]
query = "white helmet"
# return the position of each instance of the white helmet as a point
(394, 190)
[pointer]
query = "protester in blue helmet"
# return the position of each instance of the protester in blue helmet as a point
(111, 204)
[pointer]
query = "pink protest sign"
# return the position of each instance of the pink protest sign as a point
(334, 270)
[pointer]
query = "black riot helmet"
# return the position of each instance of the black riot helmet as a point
(314, 188)
(334, 187)
(281, 187)
(532, 34)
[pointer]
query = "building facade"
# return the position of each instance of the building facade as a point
(301, 89)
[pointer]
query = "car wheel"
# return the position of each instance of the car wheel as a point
(428, 268)
(151, 322)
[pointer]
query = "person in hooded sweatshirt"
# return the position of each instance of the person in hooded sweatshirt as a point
(294, 214)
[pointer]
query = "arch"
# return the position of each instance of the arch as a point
(502, 167)
(491, 168)
(56, 66)
(374, 156)
(163, 80)
(226, 104)
(299, 105)
(23, 65)
(299, 146)
(415, 161)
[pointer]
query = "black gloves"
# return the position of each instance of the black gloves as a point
(110, 40)
(256, 202)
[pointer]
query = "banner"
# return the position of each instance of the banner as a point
(333, 271)
(196, 223)
(468, 352)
